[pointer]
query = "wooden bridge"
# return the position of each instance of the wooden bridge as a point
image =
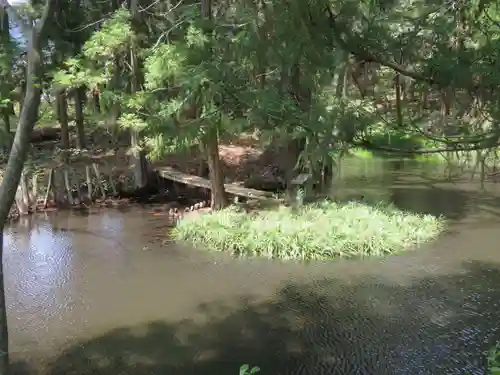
(233, 188)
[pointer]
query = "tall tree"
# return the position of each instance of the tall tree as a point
(210, 140)
(18, 154)
(6, 60)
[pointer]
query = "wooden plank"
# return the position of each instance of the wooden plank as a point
(235, 189)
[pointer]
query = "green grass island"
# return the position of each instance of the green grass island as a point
(317, 231)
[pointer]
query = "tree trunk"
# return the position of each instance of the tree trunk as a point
(424, 99)
(6, 86)
(80, 131)
(138, 161)
(357, 69)
(4, 333)
(262, 46)
(4, 24)
(62, 117)
(340, 77)
(6, 121)
(219, 198)
(294, 148)
(22, 95)
(17, 157)
(399, 105)
(96, 99)
(398, 86)
(138, 158)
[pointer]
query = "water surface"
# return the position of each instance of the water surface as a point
(101, 294)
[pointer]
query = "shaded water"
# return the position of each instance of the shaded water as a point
(101, 294)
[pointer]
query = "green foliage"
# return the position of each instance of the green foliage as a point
(323, 230)
(132, 121)
(73, 74)
(114, 37)
(494, 360)
(163, 65)
(199, 87)
(397, 138)
(403, 139)
(276, 67)
(246, 370)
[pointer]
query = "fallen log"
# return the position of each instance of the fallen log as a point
(234, 189)
(46, 134)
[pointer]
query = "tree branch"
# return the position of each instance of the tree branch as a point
(367, 56)
(422, 151)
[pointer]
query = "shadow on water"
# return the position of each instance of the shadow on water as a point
(435, 325)
(451, 204)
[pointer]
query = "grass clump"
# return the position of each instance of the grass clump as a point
(323, 230)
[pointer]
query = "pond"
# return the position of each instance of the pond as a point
(102, 293)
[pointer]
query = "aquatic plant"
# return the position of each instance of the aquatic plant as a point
(323, 230)
(494, 360)
(246, 370)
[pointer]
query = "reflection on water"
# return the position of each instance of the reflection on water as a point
(98, 294)
(419, 187)
(44, 268)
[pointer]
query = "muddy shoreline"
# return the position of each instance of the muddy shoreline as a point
(172, 209)
(54, 186)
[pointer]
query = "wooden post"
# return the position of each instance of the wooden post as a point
(89, 182)
(298, 182)
(34, 190)
(67, 184)
(49, 188)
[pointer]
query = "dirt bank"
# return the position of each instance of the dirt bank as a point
(243, 160)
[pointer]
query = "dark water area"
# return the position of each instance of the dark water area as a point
(102, 293)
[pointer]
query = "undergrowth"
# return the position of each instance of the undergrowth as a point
(324, 230)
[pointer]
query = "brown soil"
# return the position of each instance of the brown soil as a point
(242, 159)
